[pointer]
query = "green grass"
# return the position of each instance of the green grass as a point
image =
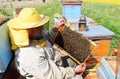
(50, 9)
(106, 15)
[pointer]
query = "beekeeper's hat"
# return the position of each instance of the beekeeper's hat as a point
(27, 18)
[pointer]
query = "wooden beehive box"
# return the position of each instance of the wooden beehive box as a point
(5, 52)
(108, 65)
(71, 9)
(100, 73)
(75, 44)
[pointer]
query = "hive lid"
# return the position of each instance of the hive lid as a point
(96, 32)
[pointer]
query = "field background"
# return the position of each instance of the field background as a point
(105, 12)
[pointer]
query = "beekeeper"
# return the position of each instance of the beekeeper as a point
(35, 57)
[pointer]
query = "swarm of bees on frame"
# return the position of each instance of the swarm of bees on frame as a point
(74, 43)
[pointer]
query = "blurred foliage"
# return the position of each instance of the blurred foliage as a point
(50, 9)
(3, 11)
(113, 2)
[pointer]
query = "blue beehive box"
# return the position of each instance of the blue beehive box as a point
(5, 51)
(107, 69)
(100, 73)
(71, 10)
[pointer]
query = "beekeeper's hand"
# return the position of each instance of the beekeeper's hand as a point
(59, 23)
(80, 68)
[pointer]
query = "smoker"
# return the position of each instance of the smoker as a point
(82, 23)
